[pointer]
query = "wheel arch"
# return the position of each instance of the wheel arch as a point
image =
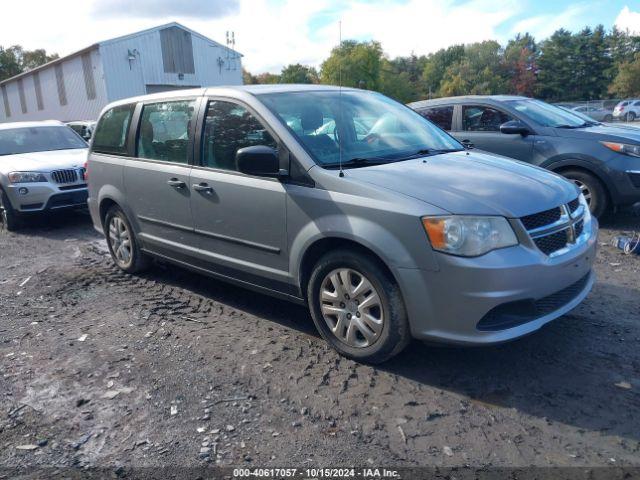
(323, 245)
(562, 165)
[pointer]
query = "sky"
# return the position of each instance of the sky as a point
(274, 33)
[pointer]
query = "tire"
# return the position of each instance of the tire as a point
(592, 189)
(631, 116)
(122, 242)
(389, 317)
(9, 218)
(608, 118)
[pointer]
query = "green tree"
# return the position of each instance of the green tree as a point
(435, 66)
(397, 83)
(521, 64)
(480, 72)
(297, 73)
(627, 81)
(267, 78)
(354, 64)
(248, 78)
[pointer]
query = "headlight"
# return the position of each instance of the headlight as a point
(26, 177)
(469, 236)
(623, 148)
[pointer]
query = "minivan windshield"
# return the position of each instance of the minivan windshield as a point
(547, 115)
(39, 139)
(358, 127)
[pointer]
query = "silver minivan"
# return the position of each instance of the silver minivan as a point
(344, 200)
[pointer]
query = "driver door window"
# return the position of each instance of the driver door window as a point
(481, 128)
(482, 119)
(229, 127)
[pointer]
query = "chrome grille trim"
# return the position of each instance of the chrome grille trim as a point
(571, 223)
(65, 176)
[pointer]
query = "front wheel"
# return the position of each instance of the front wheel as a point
(123, 245)
(9, 219)
(357, 307)
(591, 188)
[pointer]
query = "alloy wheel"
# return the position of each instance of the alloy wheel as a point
(351, 307)
(584, 189)
(120, 240)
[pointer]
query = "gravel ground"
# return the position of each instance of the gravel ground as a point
(102, 369)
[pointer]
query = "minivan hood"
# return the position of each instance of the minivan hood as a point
(602, 133)
(472, 183)
(43, 161)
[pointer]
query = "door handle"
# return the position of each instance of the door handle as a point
(203, 188)
(175, 183)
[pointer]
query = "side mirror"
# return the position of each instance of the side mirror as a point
(258, 160)
(514, 127)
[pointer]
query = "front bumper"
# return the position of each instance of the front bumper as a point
(46, 196)
(447, 305)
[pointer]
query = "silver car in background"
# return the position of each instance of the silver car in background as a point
(346, 201)
(41, 169)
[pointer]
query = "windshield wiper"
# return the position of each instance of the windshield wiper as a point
(429, 151)
(585, 124)
(359, 162)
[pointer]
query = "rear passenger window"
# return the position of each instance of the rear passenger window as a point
(229, 127)
(164, 131)
(441, 116)
(111, 132)
(482, 119)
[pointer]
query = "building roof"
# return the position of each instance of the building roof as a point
(113, 40)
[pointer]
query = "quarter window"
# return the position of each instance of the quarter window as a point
(164, 131)
(441, 116)
(229, 127)
(482, 119)
(112, 129)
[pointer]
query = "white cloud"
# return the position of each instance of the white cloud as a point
(628, 20)
(270, 34)
(543, 26)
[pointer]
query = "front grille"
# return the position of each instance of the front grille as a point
(541, 219)
(512, 314)
(65, 176)
(554, 229)
(573, 205)
(552, 243)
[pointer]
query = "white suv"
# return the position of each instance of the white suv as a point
(627, 110)
(41, 168)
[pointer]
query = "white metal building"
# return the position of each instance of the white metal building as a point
(78, 86)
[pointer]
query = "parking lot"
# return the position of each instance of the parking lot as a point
(171, 368)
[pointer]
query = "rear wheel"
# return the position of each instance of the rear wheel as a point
(357, 307)
(592, 189)
(9, 218)
(123, 245)
(631, 116)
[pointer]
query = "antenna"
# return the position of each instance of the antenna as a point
(341, 174)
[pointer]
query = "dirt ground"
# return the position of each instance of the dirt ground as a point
(102, 369)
